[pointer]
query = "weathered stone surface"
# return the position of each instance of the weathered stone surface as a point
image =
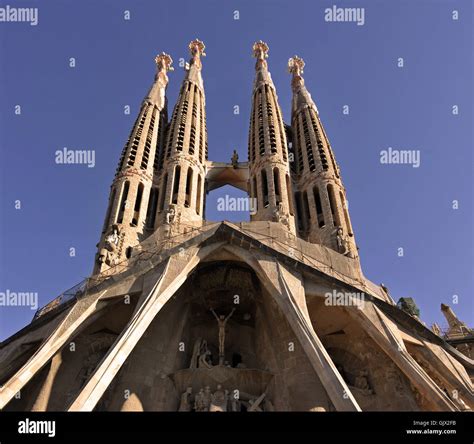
(185, 314)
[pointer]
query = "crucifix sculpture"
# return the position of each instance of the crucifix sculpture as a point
(221, 323)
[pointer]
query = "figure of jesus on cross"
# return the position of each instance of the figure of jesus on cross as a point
(221, 323)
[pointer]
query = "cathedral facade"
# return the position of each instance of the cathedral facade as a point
(272, 314)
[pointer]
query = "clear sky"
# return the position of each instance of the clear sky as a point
(405, 108)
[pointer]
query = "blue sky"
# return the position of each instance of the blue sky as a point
(408, 108)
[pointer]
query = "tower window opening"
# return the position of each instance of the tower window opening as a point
(123, 202)
(321, 152)
(177, 177)
(152, 207)
(288, 191)
(198, 194)
(163, 192)
(189, 185)
(299, 215)
(276, 182)
(319, 207)
(332, 203)
(265, 189)
(149, 137)
(159, 149)
(109, 211)
(281, 129)
(308, 144)
(306, 213)
(346, 214)
(128, 252)
(298, 149)
(138, 203)
(201, 133)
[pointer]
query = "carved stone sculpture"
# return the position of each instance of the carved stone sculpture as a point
(219, 400)
(200, 402)
(185, 404)
(206, 399)
(235, 159)
(170, 215)
(362, 383)
(221, 323)
(205, 360)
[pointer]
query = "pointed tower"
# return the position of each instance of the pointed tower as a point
(321, 203)
(132, 194)
(230, 307)
(182, 163)
(455, 326)
(270, 180)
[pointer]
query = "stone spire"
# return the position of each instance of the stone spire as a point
(183, 161)
(156, 95)
(270, 180)
(196, 50)
(321, 201)
(301, 96)
(456, 326)
(132, 197)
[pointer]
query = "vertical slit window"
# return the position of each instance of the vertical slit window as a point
(136, 208)
(299, 214)
(319, 207)
(109, 211)
(288, 191)
(276, 182)
(306, 214)
(177, 177)
(198, 194)
(346, 213)
(163, 192)
(123, 202)
(265, 189)
(332, 203)
(152, 207)
(189, 186)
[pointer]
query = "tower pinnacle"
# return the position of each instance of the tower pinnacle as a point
(131, 212)
(193, 69)
(295, 67)
(156, 95)
(262, 74)
(260, 52)
(270, 180)
(183, 160)
(196, 48)
(320, 197)
(163, 62)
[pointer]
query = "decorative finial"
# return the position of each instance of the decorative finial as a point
(196, 48)
(260, 50)
(296, 65)
(163, 62)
